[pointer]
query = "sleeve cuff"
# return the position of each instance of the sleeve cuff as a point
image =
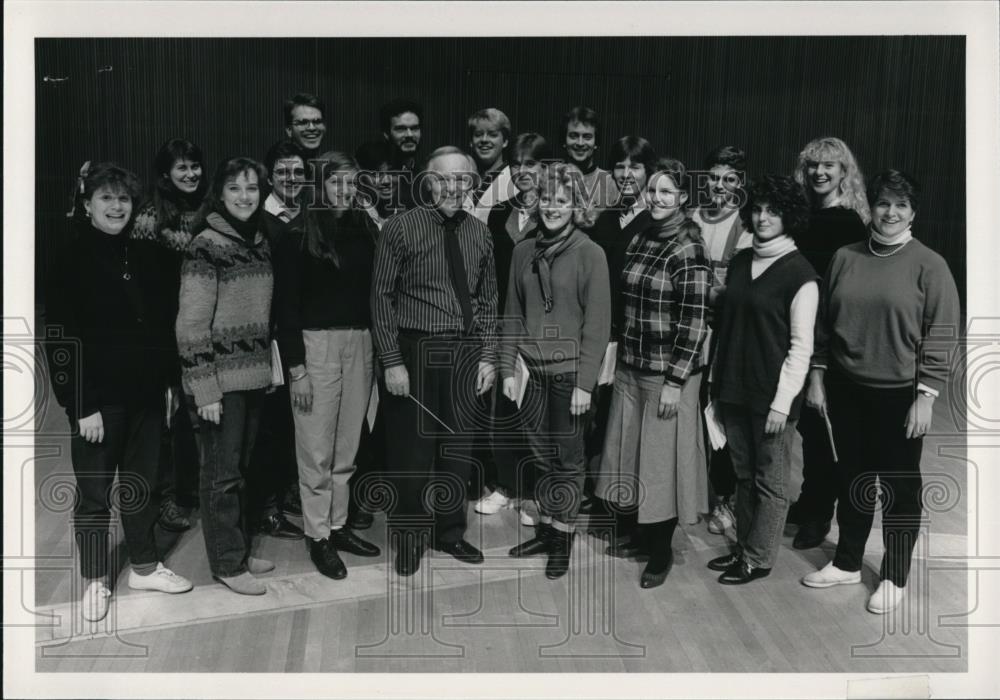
(930, 390)
(393, 358)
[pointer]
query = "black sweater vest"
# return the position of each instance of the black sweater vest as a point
(754, 334)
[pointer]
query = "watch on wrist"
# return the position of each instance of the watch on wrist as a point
(924, 392)
(297, 377)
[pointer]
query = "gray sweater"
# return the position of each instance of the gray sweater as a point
(573, 336)
(876, 317)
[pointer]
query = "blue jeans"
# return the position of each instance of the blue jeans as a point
(763, 465)
(224, 452)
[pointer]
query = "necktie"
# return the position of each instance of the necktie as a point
(456, 266)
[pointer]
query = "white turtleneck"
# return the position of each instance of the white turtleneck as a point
(802, 322)
(898, 239)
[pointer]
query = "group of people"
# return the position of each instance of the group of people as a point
(573, 333)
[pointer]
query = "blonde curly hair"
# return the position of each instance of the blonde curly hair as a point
(851, 191)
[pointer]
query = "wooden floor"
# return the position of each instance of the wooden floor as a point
(505, 615)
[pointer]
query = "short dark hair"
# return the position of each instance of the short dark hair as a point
(897, 182)
(732, 157)
(94, 177)
(674, 169)
(584, 115)
(113, 176)
(785, 196)
(372, 155)
(532, 145)
(636, 149)
(165, 197)
(302, 99)
(393, 108)
(280, 151)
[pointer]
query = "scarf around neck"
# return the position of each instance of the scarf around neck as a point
(666, 227)
(546, 251)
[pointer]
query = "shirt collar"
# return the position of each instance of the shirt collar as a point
(274, 206)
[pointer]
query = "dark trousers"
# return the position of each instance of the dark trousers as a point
(721, 475)
(512, 469)
(868, 427)
(557, 444)
(130, 448)
(274, 469)
(178, 474)
(428, 466)
(820, 483)
(596, 429)
(225, 452)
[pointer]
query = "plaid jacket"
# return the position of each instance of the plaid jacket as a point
(665, 283)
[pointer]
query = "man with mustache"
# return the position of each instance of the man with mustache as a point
(434, 301)
(401, 122)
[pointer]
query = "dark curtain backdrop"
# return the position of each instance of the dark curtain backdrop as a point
(897, 101)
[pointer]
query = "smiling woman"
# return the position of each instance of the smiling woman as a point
(106, 293)
(223, 329)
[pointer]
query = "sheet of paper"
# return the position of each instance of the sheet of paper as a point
(607, 373)
(372, 407)
(277, 372)
(716, 432)
(520, 380)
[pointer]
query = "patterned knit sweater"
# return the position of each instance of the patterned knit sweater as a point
(223, 325)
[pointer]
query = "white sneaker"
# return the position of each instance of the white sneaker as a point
(163, 580)
(722, 518)
(95, 601)
(522, 509)
(886, 598)
(492, 504)
(830, 575)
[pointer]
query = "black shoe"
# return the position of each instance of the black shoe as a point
(346, 541)
(742, 572)
(592, 505)
(539, 544)
(276, 525)
(811, 534)
(626, 549)
(328, 562)
(560, 548)
(461, 550)
(172, 518)
(794, 516)
(724, 562)
(409, 549)
(656, 570)
(360, 520)
(292, 504)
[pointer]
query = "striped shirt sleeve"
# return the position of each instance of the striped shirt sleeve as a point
(384, 294)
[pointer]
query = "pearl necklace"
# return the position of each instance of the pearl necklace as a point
(892, 252)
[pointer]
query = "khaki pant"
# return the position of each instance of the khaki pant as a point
(339, 363)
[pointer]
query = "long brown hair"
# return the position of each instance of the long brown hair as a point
(323, 227)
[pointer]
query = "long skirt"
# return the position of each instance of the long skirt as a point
(654, 463)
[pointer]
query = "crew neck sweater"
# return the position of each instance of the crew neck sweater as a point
(889, 322)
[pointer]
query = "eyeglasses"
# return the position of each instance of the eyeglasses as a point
(283, 174)
(307, 122)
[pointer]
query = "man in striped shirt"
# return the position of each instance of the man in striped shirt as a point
(434, 300)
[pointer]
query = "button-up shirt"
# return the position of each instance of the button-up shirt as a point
(412, 287)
